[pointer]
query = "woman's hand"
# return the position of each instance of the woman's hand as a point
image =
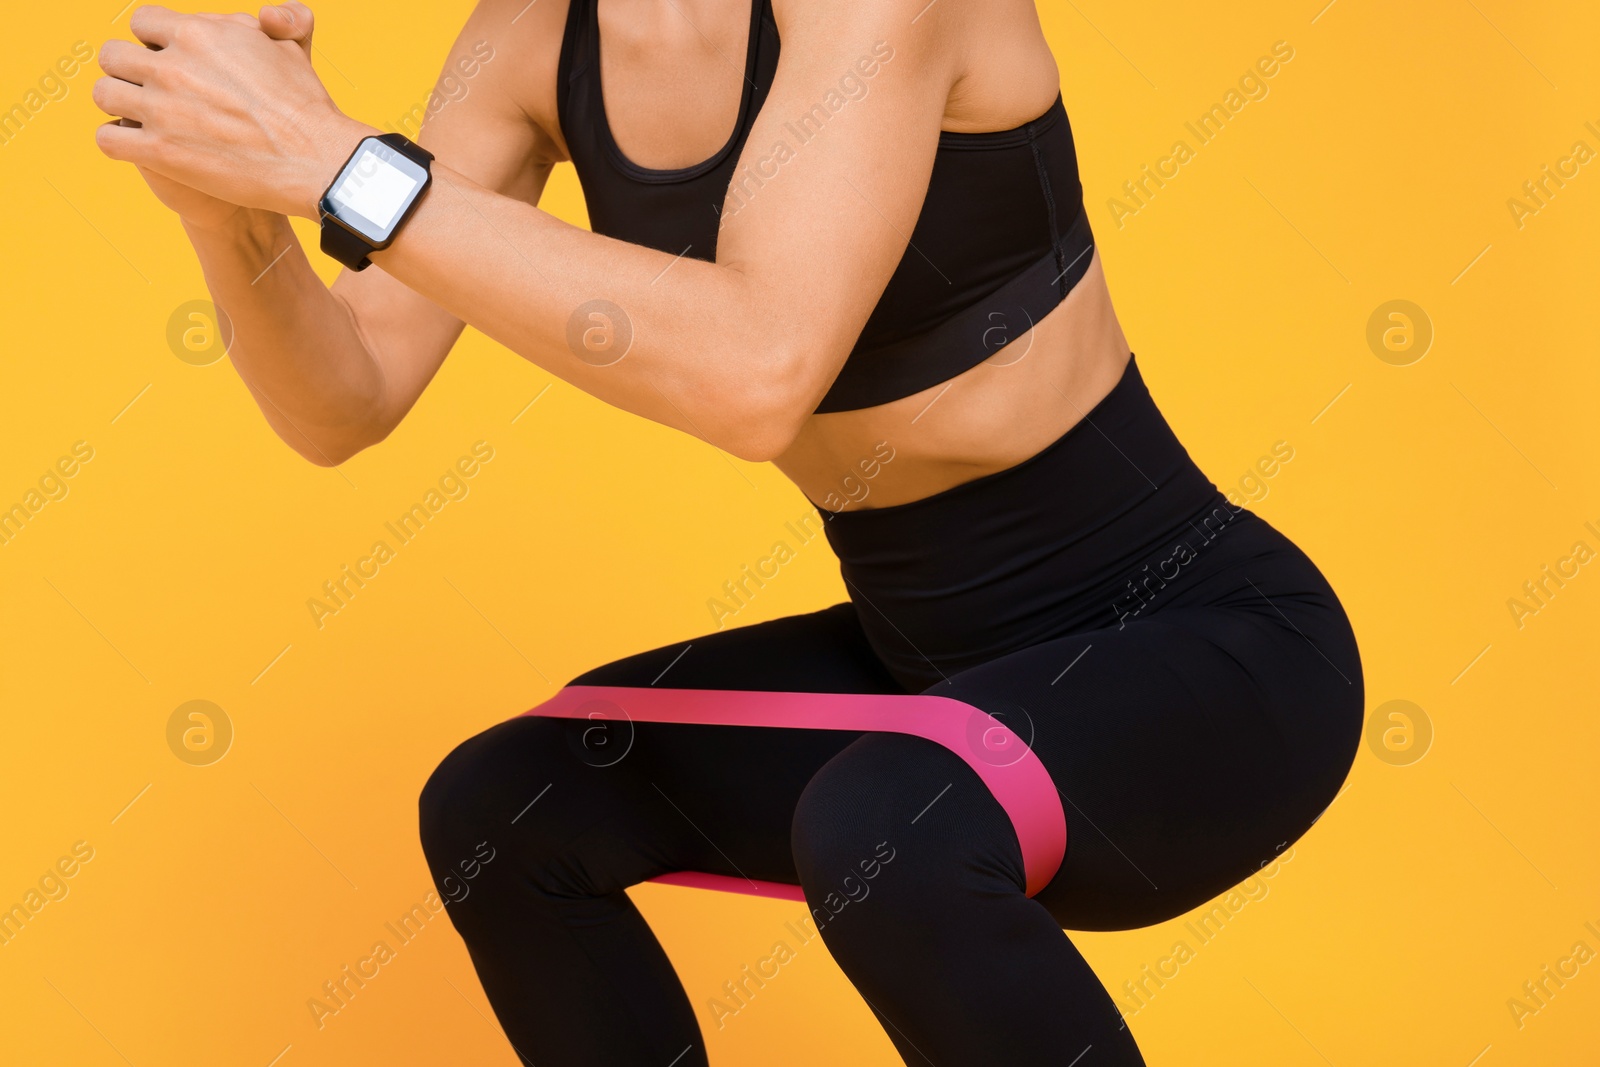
(192, 206)
(199, 209)
(229, 111)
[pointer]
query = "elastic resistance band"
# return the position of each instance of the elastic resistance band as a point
(1010, 769)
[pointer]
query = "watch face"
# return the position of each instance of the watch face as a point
(374, 189)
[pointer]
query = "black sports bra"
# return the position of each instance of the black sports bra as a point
(1001, 240)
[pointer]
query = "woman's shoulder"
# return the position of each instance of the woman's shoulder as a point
(523, 39)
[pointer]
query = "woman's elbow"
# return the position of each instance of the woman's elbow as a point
(328, 455)
(771, 414)
(759, 444)
(334, 450)
(319, 457)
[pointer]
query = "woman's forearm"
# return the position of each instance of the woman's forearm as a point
(546, 290)
(294, 343)
(680, 340)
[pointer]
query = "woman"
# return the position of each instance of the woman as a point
(882, 281)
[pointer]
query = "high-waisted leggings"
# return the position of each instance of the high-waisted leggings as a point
(1199, 729)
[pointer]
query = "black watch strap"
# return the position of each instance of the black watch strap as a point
(406, 147)
(344, 244)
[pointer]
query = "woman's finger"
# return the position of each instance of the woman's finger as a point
(119, 98)
(289, 22)
(128, 61)
(119, 142)
(238, 16)
(155, 25)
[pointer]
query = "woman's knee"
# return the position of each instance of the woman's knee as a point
(557, 818)
(475, 793)
(893, 809)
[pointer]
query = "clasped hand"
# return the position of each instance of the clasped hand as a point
(223, 112)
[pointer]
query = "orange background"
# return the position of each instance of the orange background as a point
(178, 564)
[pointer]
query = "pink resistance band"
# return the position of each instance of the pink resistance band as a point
(1003, 760)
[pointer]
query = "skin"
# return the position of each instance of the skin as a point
(228, 123)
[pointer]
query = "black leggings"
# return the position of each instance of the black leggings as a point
(1193, 735)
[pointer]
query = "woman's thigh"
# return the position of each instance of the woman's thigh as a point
(1189, 748)
(619, 802)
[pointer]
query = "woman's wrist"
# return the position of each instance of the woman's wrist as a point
(240, 220)
(250, 239)
(324, 151)
(329, 146)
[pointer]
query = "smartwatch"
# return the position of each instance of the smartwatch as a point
(377, 189)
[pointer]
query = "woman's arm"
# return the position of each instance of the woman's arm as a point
(737, 352)
(334, 371)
